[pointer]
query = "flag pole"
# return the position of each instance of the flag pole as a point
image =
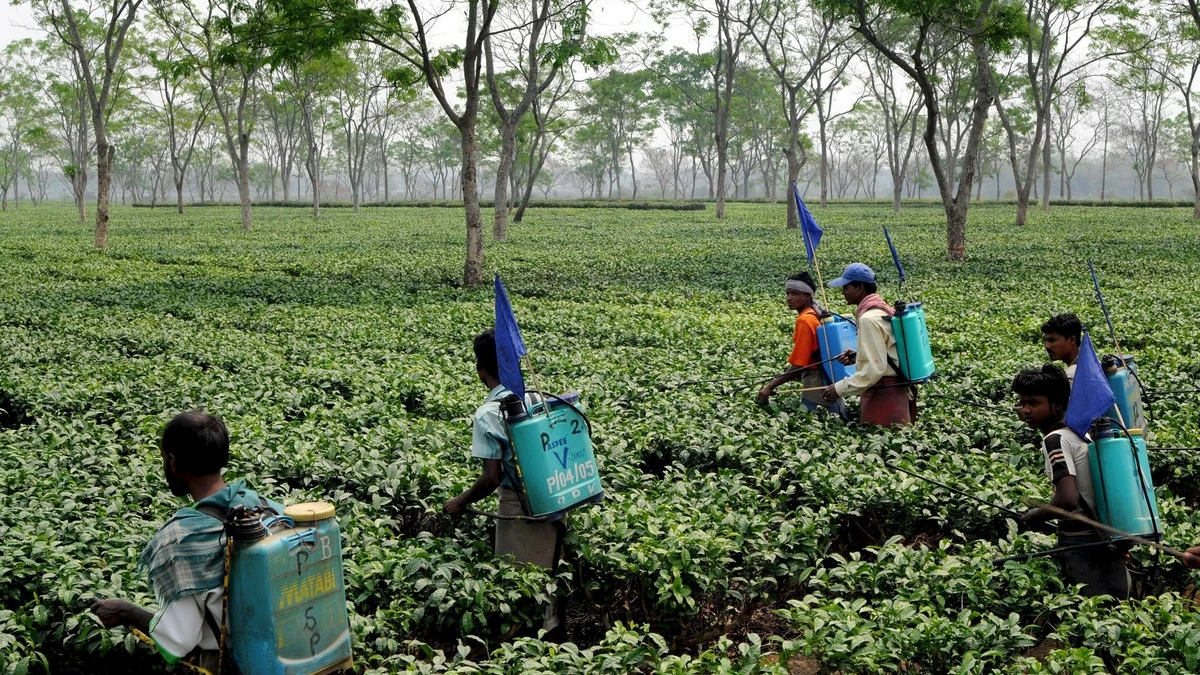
(820, 281)
(537, 383)
(1104, 308)
(810, 247)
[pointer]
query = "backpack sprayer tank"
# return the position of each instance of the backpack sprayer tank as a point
(912, 342)
(1122, 379)
(552, 445)
(834, 336)
(287, 598)
(1121, 480)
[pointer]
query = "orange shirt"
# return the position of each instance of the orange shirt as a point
(805, 351)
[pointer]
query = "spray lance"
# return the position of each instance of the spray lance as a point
(1119, 534)
(1057, 511)
(955, 490)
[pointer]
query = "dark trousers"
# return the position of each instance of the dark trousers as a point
(1101, 569)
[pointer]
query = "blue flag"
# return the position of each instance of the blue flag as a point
(808, 226)
(1091, 396)
(895, 256)
(509, 345)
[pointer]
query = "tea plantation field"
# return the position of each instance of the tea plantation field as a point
(736, 539)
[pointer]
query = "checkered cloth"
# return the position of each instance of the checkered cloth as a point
(186, 556)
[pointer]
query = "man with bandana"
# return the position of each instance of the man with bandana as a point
(804, 363)
(185, 560)
(887, 399)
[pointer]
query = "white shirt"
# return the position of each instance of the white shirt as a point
(180, 627)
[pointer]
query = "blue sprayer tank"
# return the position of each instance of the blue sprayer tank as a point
(1121, 480)
(287, 598)
(912, 342)
(552, 445)
(834, 336)
(1122, 379)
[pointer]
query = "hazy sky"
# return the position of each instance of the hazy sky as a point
(608, 16)
(17, 23)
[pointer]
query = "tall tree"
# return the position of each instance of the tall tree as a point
(547, 124)
(1175, 59)
(619, 105)
(1070, 111)
(217, 39)
(798, 41)
(900, 108)
(732, 22)
(526, 43)
(95, 34)
(281, 141)
(1058, 29)
(20, 112)
(182, 104)
(361, 95)
(937, 28)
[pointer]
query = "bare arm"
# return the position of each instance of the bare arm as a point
(483, 486)
(792, 374)
(1066, 497)
(115, 612)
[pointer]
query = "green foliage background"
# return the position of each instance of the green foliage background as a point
(735, 539)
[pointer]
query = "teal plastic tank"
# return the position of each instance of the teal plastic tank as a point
(556, 465)
(287, 599)
(1121, 480)
(1128, 395)
(1139, 442)
(834, 336)
(912, 343)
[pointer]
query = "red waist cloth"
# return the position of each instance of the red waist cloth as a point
(889, 403)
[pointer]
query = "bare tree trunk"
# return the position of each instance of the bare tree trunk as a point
(1046, 168)
(104, 161)
(473, 270)
(384, 156)
(508, 155)
(1195, 172)
(632, 172)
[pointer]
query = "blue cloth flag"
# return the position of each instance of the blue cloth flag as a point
(895, 255)
(509, 345)
(808, 226)
(1091, 396)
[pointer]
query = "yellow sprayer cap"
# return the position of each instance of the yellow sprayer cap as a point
(309, 511)
(1135, 432)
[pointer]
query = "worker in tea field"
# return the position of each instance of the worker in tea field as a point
(185, 560)
(535, 542)
(804, 363)
(1042, 395)
(1061, 336)
(886, 398)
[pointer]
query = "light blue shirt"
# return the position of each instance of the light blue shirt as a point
(489, 436)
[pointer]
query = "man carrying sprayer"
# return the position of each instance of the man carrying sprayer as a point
(1061, 337)
(886, 399)
(538, 543)
(185, 560)
(804, 363)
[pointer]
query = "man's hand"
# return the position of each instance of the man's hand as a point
(764, 394)
(113, 611)
(1033, 521)
(847, 358)
(455, 506)
(829, 394)
(1192, 557)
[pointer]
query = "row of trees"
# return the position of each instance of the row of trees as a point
(320, 94)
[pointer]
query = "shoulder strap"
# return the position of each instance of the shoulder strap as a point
(212, 511)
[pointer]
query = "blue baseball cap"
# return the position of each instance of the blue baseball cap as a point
(854, 272)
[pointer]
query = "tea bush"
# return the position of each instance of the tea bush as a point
(734, 538)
